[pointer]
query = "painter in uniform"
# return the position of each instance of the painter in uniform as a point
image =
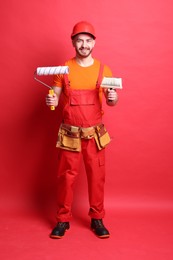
(82, 132)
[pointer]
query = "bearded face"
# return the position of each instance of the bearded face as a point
(83, 44)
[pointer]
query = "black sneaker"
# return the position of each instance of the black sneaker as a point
(59, 230)
(99, 229)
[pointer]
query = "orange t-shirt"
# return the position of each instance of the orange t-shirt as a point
(82, 77)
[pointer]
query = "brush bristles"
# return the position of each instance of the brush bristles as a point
(111, 82)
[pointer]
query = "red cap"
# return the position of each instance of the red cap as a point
(83, 27)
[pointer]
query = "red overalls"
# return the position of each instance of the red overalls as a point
(83, 109)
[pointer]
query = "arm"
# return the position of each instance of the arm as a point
(52, 100)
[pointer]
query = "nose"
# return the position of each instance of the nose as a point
(84, 44)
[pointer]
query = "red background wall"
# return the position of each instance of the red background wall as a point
(135, 39)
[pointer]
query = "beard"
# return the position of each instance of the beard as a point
(83, 52)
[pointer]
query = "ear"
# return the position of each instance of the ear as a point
(73, 43)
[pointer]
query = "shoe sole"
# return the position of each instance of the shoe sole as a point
(104, 236)
(58, 237)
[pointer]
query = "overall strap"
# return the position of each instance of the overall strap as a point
(100, 76)
(67, 82)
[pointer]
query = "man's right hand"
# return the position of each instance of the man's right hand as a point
(52, 100)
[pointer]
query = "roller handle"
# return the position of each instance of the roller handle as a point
(51, 92)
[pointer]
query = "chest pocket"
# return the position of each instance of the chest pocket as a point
(83, 98)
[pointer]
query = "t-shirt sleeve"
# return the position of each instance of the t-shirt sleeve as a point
(58, 81)
(107, 72)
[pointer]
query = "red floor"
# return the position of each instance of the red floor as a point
(135, 235)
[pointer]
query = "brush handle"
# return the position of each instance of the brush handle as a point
(110, 99)
(51, 92)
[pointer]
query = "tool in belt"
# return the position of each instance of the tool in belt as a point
(69, 137)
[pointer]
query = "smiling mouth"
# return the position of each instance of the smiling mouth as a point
(84, 49)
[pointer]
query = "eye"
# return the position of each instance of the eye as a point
(78, 40)
(89, 40)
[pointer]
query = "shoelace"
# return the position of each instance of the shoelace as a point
(62, 224)
(98, 223)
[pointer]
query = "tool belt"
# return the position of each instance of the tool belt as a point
(69, 137)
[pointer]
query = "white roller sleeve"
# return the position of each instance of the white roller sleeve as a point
(43, 71)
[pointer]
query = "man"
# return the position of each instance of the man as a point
(82, 133)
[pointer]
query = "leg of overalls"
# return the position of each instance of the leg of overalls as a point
(95, 168)
(68, 168)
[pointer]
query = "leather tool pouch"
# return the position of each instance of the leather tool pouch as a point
(102, 137)
(69, 138)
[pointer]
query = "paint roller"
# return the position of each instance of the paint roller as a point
(45, 71)
(111, 83)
